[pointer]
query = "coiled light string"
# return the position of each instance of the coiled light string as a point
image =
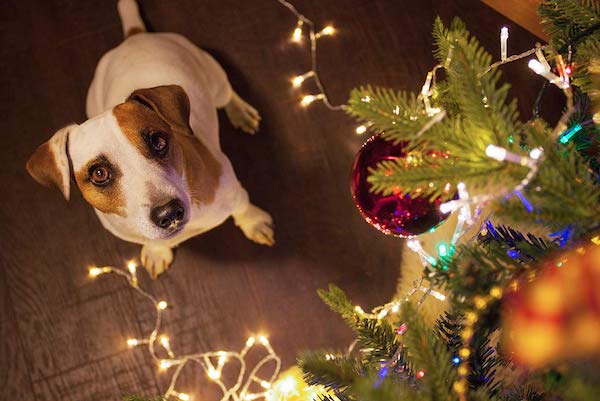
(241, 390)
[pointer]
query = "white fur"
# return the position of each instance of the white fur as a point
(147, 60)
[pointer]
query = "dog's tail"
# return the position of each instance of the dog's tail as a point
(130, 18)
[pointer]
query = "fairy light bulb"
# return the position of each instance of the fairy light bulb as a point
(359, 310)
(420, 374)
(297, 34)
(308, 99)
(132, 342)
(361, 129)
(165, 364)
(131, 266)
(96, 271)
(250, 342)
(263, 340)
(297, 80)
(213, 373)
(164, 341)
(327, 31)
(162, 305)
(504, 43)
(183, 396)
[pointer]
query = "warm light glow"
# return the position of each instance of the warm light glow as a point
(382, 314)
(265, 384)
(131, 266)
(308, 99)
(359, 310)
(96, 271)
(183, 397)
(162, 305)
(250, 342)
(420, 374)
(132, 342)
(297, 34)
(263, 340)
(297, 80)
(164, 340)
(213, 374)
(287, 385)
(536, 66)
(166, 363)
(361, 129)
(327, 31)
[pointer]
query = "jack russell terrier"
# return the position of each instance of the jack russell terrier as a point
(148, 158)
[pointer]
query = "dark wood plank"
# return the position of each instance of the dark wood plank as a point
(65, 334)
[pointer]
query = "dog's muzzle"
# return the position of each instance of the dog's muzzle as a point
(169, 216)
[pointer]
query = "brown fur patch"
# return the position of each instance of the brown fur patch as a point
(134, 31)
(108, 199)
(170, 114)
(43, 168)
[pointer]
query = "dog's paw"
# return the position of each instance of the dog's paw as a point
(242, 115)
(156, 259)
(257, 225)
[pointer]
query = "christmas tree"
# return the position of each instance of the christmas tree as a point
(523, 320)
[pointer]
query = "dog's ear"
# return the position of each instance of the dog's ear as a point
(49, 164)
(169, 101)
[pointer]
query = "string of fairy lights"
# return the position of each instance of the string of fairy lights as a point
(212, 363)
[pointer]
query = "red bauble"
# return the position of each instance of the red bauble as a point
(402, 216)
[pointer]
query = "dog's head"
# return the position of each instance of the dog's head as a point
(139, 164)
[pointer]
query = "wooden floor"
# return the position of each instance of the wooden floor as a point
(62, 335)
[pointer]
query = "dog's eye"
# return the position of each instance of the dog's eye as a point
(99, 175)
(159, 143)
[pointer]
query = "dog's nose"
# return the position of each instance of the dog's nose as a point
(168, 215)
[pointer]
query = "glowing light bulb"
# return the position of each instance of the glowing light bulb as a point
(536, 153)
(503, 43)
(297, 80)
(395, 308)
(183, 396)
(327, 31)
(496, 152)
(164, 341)
(297, 34)
(420, 374)
(287, 385)
(359, 310)
(250, 342)
(361, 129)
(166, 363)
(132, 342)
(308, 99)
(382, 314)
(265, 384)
(213, 374)
(131, 266)
(162, 305)
(536, 66)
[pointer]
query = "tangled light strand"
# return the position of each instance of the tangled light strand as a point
(239, 391)
(313, 73)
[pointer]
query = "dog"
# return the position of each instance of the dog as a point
(148, 158)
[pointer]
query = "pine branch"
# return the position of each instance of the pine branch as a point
(338, 302)
(378, 339)
(429, 353)
(336, 375)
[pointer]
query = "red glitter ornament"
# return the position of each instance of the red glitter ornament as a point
(395, 214)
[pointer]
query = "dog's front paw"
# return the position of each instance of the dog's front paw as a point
(242, 115)
(257, 225)
(156, 259)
